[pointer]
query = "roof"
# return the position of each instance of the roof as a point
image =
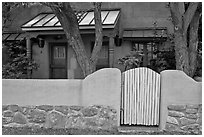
(145, 32)
(13, 36)
(49, 21)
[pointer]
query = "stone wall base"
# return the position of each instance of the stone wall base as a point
(184, 118)
(94, 117)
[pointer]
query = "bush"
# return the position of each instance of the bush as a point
(132, 60)
(18, 63)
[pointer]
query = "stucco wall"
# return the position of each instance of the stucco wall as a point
(39, 92)
(99, 88)
(41, 57)
(177, 88)
(103, 88)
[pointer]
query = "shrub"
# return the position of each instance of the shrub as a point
(18, 63)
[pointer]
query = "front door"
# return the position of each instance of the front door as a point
(58, 60)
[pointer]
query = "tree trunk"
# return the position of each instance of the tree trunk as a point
(181, 20)
(68, 20)
(98, 33)
(181, 53)
(193, 43)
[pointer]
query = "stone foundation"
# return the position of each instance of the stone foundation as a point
(185, 118)
(94, 117)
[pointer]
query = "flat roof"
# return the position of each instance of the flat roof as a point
(49, 21)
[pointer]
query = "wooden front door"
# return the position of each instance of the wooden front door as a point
(58, 60)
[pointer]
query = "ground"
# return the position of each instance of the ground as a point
(43, 131)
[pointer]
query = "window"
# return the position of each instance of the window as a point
(59, 52)
(148, 49)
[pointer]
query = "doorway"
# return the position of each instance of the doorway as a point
(58, 60)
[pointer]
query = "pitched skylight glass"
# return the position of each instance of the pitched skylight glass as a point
(12, 36)
(30, 23)
(48, 21)
(58, 24)
(52, 22)
(103, 15)
(44, 20)
(21, 36)
(110, 19)
(4, 36)
(89, 17)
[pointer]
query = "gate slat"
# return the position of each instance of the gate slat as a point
(159, 92)
(128, 99)
(155, 79)
(155, 105)
(153, 90)
(150, 97)
(125, 94)
(122, 106)
(130, 93)
(141, 92)
(126, 105)
(147, 114)
(134, 98)
(138, 96)
(145, 96)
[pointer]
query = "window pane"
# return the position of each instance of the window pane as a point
(12, 37)
(41, 22)
(103, 15)
(34, 20)
(4, 36)
(87, 19)
(80, 16)
(59, 52)
(52, 22)
(21, 36)
(58, 24)
(111, 17)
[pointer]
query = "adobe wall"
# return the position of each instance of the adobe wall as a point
(34, 102)
(180, 106)
(41, 92)
(178, 89)
(103, 88)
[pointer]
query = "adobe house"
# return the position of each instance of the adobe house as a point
(126, 27)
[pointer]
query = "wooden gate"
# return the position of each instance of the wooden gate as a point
(140, 97)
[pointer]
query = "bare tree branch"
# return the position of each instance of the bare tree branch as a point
(189, 15)
(98, 32)
(175, 14)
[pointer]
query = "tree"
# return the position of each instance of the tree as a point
(67, 17)
(66, 14)
(185, 18)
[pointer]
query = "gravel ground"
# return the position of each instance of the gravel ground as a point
(43, 131)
